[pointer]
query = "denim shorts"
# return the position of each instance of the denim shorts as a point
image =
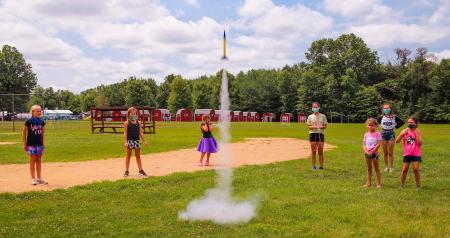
(35, 150)
(387, 135)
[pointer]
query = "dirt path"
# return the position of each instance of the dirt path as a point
(16, 177)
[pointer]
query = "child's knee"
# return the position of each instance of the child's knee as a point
(416, 170)
(405, 169)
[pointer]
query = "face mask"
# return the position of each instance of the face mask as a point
(411, 126)
(386, 111)
(314, 109)
(133, 117)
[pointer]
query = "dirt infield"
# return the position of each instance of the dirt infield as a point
(16, 177)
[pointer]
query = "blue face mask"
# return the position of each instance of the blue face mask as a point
(411, 126)
(133, 117)
(386, 111)
(315, 109)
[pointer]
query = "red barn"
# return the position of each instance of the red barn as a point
(238, 116)
(184, 115)
(302, 117)
(217, 115)
(198, 114)
(286, 117)
(268, 117)
(162, 115)
(246, 116)
(253, 116)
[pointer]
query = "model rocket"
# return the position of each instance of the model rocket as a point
(224, 57)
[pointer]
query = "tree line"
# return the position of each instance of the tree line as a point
(343, 74)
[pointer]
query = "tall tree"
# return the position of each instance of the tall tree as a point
(138, 93)
(180, 95)
(16, 77)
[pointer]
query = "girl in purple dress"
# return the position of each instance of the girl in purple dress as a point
(207, 144)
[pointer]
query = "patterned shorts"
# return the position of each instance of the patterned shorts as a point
(35, 150)
(134, 144)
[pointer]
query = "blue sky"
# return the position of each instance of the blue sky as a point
(81, 44)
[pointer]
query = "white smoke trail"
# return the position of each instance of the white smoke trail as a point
(218, 205)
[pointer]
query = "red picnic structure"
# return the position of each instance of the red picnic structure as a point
(184, 115)
(198, 114)
(286, 117)
(111, 119)
(162, 115)
(268, 117)
(301, 118)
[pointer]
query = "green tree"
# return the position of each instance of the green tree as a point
(180, 95)
(138, 93)
(88, 99)
(201, 94)
(16, 76)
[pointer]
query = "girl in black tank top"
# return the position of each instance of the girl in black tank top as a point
(207, 144)
(132, 135)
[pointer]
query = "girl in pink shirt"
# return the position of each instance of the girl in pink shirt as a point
(412, 141)
(372, 141)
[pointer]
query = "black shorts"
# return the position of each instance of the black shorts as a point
(374, 156)
(408, 159)
(316, 137)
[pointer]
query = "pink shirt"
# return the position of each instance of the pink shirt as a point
(371, 140)
(410, 146)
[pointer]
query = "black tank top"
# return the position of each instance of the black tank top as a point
(133, 131)
(206, 134)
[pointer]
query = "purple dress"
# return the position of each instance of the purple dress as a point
(207, 144)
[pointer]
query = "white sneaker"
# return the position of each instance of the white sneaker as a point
(391, 170)
(41, 181)
(34, 182)
(386, 169)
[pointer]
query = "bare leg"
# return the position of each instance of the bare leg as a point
(391, 144)
(137, 153)
(33, 166)
(202, 155)
(384, 145)
(208, 155)
(127, 159)
(369, 172)
(377, 172)
(404, 173)
(313, 153)
(38, 166)
(320, 150)
(416, 173)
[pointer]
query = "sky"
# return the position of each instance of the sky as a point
(81, 44)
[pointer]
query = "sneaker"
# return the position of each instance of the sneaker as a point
(126, 174)
(142, 173)
(314, 168)
(34, 182)
(386, 169)
(321, 167)
(41, 181)
(391, 170)
(379, 186)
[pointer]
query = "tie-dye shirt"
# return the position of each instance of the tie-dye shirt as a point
(410, 146)
(371, 141)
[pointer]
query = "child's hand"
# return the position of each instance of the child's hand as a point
(125, 144)
(146, 143)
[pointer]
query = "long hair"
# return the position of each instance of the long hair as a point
(131, 110)
(35, 107)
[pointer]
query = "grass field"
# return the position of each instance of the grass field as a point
(294, 201)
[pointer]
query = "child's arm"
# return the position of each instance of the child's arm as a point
(24, 137)
(419, 136)
(125, 131)
(400, 137)
(142, 134)
(399, 122)
(376, 147)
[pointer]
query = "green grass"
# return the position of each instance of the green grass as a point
(294, 201)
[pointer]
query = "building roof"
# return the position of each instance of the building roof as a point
(164, 111)
(202, 111)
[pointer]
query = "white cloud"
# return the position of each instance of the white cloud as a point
(254, 8)
(194, 3)
(381, 35)
(445, 54)
(363, 11)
